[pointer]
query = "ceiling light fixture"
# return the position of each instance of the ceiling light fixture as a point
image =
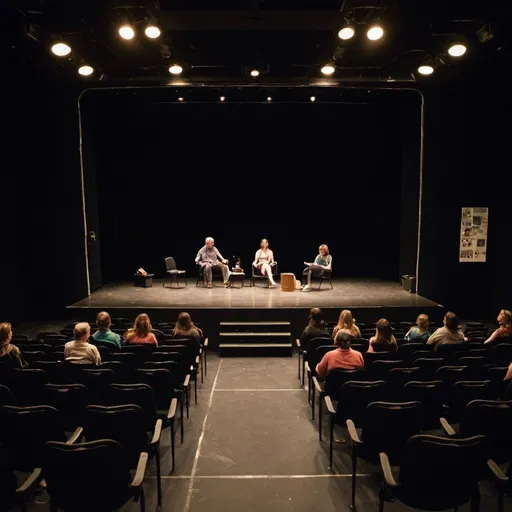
(269, 98)
(312, 98)
(126, 32)
(180, 99)
(85, 70)
(222, 98)
(61, 49)
(457, 50)
(346, 33)
(152, 31)
(328, 69)
(425, 70)
(175, 69)
(375, 33)
(255, 73)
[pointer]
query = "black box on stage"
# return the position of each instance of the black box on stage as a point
(409, 283)
(143, 281)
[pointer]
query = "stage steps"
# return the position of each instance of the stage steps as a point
(255, 339)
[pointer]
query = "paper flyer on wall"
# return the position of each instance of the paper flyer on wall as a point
(473, 235)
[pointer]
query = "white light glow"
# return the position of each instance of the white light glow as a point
(222, 98)
(425, 70)
(457, 50)
(346, 33)
(152, 32)
(61, 49)
(126, 32)
(85, 70)
(255, 73)
(180, 99)
(375, 33)
(269, 98)
(328, 70)
(312, 98)
(175, 69)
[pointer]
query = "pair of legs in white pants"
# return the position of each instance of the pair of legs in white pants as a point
(266, 270)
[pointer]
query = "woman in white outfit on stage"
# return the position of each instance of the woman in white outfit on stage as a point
(263, 260)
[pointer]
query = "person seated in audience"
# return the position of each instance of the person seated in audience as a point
(209, 257)
(141, 332)
(420, 333)
(449, 334)
(9, 351)
(263, 260)
(315, 329)
(104, 334)
(346, 324)
(80, 350)
(383, 341)
(322, 264)
(185, 328)
(342, 357)
(505, 327)
(508, 376)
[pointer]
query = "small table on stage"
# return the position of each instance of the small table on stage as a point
(143, 281)
(287, 282)
(237, 274)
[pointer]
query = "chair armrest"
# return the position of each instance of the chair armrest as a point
(497, 473)
(386, 470)
(328, 403)
(317, 385)
(354, 436)
(141, 470)
(205, 344)
(157, 432)
(186, 382)
(306, 367)
(31, 482)
(297, 342)
(447, 427)
(77, 434)
(172, 409)
(197, 360)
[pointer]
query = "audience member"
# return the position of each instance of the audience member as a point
(80, 350)
(383, 341)
(8, 351)
(104, 334)
(449, 334)
(419, 334)
(315, 329)
(185, 328)
(342, 357)
(141, 332)
(505, 327)
(346, 324)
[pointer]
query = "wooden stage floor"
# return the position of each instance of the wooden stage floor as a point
(347, 293)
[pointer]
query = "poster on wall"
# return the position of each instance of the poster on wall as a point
(473, 235)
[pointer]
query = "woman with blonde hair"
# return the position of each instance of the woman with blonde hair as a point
(346, 324)
(505, 327)
(141, 332)
(383, 341)
(322, 264)
(263, 261)
(419, 334)
(8, 351)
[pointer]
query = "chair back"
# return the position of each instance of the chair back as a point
(380, 368)
(70, 401)
(428, 366)
(162, 383)
(501, 354)
(355, 396)
(337, 377)
(398, 377)
(170, 264)
(97, 382)
(438, 473)
(25, 430)
(452, 374)
(138, 394)
(462, 393)
(6, 396)
(87, 476)
(496, 375)
(407, 349)
(28, 386)
(430, 394)
(311, 344)
(387, 427)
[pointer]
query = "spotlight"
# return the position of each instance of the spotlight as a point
(175, 69)
(312, 98)
(180, 99)
(328, 69)
(255, 73)
(126, 32)
(425, 70)
(375, 33)
(457, 50)
(152, 32)
(222, 98)
(61, 49)
(85, 70)
(346, 33)
(269, 98)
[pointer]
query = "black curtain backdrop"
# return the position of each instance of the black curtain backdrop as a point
(298, 174)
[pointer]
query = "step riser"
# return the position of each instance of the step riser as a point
(284, 340)
(249, 351)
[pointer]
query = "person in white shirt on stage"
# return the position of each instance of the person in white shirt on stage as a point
(263, 261)
(209, 257)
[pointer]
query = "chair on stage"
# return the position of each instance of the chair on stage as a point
(172, 272)
(256, 273)
(322, 275)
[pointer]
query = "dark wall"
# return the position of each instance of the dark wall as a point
(466, 164)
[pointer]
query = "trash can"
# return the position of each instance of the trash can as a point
(409, 283)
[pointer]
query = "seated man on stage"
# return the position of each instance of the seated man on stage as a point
(208, 257)
(322, 263)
